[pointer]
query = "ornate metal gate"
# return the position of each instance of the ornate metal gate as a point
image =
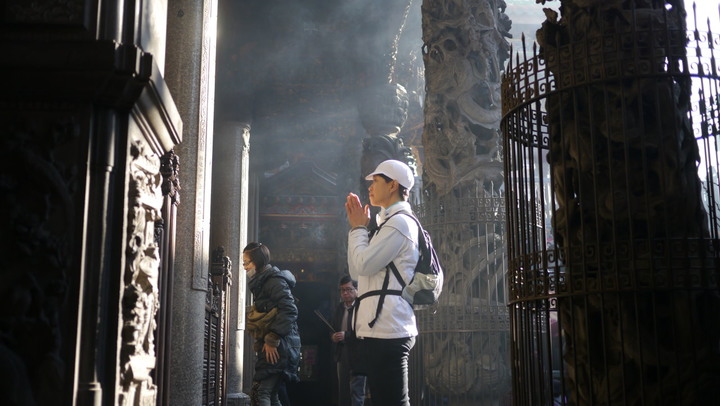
(611, 160)
(217, 312)
(462, 354)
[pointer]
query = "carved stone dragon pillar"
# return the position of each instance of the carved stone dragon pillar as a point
(465, 351)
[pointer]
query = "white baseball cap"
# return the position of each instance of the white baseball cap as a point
(395, 170)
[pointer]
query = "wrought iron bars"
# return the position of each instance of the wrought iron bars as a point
(462, 354)
(611, 162)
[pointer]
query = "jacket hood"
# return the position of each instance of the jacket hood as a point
(287, 275)
(272, 271)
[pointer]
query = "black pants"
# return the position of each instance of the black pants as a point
(387, 370)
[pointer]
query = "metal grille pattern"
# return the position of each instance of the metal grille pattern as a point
(611, 167)
(462, 354)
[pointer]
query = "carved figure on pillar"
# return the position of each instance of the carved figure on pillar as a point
(169, 169)
(140, 296)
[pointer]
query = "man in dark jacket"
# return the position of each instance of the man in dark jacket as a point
(351, 385)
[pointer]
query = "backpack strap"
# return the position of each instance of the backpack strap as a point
(421, 239)
(384, 291)
(386, 282)
(395, 272)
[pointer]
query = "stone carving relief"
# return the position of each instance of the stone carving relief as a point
(464, 48)
(463, 52)
(170, 168)
(382, 147)
(37, 199)
(140, 293)
(383, 109)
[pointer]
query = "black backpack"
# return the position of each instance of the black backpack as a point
(426, 285)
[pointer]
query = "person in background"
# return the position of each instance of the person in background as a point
(277, 342)
(351, 384)
(385, 323)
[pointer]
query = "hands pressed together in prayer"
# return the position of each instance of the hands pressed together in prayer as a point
(358, 215)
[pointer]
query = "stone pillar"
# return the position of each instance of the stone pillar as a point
(383, 111)
(629, 221)
(383, 106)
(229, 229)
(463, 206)
(190, 70)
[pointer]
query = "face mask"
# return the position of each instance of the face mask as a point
(250, 273)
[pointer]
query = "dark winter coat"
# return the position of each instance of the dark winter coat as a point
(271, 288)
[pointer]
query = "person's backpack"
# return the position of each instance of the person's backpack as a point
(426, 285)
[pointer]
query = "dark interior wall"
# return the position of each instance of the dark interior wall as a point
(41, 232)
(82, 90)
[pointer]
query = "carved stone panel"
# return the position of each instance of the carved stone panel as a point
(140, 277)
